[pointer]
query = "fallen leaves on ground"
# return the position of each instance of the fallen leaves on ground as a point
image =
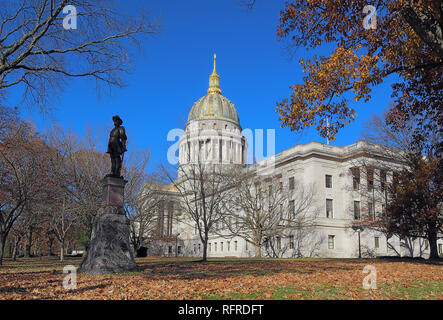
(162, 278)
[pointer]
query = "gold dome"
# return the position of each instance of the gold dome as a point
(214, 105)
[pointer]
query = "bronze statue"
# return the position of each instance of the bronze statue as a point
(117, 147)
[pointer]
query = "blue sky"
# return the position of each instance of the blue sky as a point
(172, 73)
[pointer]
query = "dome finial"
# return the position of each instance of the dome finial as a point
(214, 80)
(215, 58)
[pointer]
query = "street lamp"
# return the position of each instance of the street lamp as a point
(176, 245)
(358, 229)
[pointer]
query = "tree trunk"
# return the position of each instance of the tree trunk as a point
(62, 250)
(257, 251)
(136, 244)
(15, 249)
(36, 251)
(432, 238)
(205, 249)
(51, 242)
(2, 248)
(10, 247)
(28, 244)
(257, 237)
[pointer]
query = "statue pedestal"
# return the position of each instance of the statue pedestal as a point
(109, 250)
(113, 191)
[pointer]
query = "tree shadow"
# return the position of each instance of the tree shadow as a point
(220, 269)
(28, 289)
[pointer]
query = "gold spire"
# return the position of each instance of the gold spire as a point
(215, 60)
(214, 80)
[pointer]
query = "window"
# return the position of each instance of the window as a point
(291, 183)
(395, 178)
(221, 246)
(278, 243)
(329, 212)
(210, 247)
(328, 181)
(195, 248)
(382, 180)
(169, 249)
(235, 245)
(370, 179)
(179, 249)
(215, 246)
(377, 242)
(383, 209)
(292, 208)
(291, 242)
(440, 248)
(355, 179)
(371, 212)
(357, 210)
(246, 244)
(229, 245)
(331, 242)
(199, 247)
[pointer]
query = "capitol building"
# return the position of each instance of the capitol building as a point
(345, 185)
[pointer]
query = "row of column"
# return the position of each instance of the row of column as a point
(218, 149)
(164, 218)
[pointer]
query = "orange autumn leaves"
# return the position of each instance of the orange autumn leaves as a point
(326, 81)
(227, 279)
(360, 59)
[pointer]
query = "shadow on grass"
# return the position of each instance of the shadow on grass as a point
(219, 269)
(10, 289)
(29, 289)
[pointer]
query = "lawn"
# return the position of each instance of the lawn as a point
(184, 278)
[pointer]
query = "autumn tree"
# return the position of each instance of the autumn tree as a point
(142, 211)
(260, 210)
(63, 215)
(33, 216)
(202, 188)
(406, 183)
(44, 43)
(415, 207)
(23, 175)
(17, 234)
(141, 197)
(403, 39)
(79, 167)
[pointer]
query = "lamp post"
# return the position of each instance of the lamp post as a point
(358, 229)
(176, 245)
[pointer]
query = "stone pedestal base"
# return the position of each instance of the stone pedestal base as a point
(109, 250)
(113, 191)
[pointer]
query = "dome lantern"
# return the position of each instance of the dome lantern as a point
(213, 105)
(214, 80)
